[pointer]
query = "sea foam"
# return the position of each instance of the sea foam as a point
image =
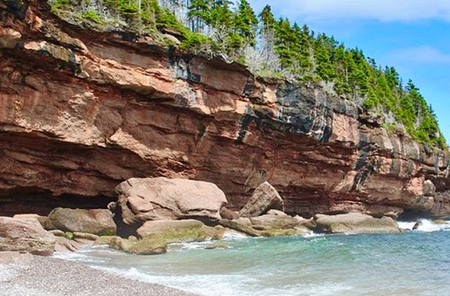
(425, 225)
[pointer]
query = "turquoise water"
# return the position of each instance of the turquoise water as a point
(411, 263)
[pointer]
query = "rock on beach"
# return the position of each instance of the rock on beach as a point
(25, 235)
(143, 199)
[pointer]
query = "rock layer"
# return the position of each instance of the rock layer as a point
(82, 111)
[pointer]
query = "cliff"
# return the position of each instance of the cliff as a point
(81, 111)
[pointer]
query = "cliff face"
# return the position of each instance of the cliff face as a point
(81, 111)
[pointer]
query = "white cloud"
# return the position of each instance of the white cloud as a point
(420, 55)
(382, 10)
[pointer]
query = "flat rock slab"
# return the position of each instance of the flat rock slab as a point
(355, 223)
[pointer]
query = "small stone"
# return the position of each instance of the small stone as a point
(217, 246)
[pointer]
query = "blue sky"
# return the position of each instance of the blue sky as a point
(411, 35)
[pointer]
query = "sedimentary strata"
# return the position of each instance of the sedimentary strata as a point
(82, 111)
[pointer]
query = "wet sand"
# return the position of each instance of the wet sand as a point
(25, 274)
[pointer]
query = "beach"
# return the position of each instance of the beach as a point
(25, 274)
(402, 264)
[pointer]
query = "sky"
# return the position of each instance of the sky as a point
(411, 35)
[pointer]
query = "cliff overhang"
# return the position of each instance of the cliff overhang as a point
(81, 111)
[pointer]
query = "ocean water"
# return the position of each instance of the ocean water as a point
(410, 263)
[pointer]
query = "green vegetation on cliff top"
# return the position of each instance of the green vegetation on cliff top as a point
(269, 47)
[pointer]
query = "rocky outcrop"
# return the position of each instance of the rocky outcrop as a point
(82, 111)
(264, 198)
(25, 235)
(355, 223)
(94, 221)
(274, 223)
(146, 199)
(177, 231)
(150, 245)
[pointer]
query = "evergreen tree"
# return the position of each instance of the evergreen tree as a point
(246, 23)
(286, 43)
(306, 42)
(324, 67)
(199, 14)
(392, 77)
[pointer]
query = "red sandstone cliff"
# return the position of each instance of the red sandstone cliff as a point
(81, 111)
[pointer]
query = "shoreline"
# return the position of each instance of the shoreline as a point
(31, 275)
(26, 274)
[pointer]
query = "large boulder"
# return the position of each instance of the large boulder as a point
(147, 199)
(95, 221)
(174, 231)
(264, 198)
(355, 223)
(25, 235)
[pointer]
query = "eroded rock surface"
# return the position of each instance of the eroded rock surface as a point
(94, 221)
(174, 231)
(150, 245)
(263, 199)
(25, 235)
(355, 223)
(274, 223)
(82, 111)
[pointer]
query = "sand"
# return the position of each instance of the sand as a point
(27, 275)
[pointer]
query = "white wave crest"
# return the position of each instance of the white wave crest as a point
(425, 225)
(233, 235)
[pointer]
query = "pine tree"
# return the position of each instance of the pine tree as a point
(306, 42)
(285, 43)
(324, 67)
(246, 23)
(199, 14)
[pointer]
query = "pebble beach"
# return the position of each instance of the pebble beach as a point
(26, 274)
